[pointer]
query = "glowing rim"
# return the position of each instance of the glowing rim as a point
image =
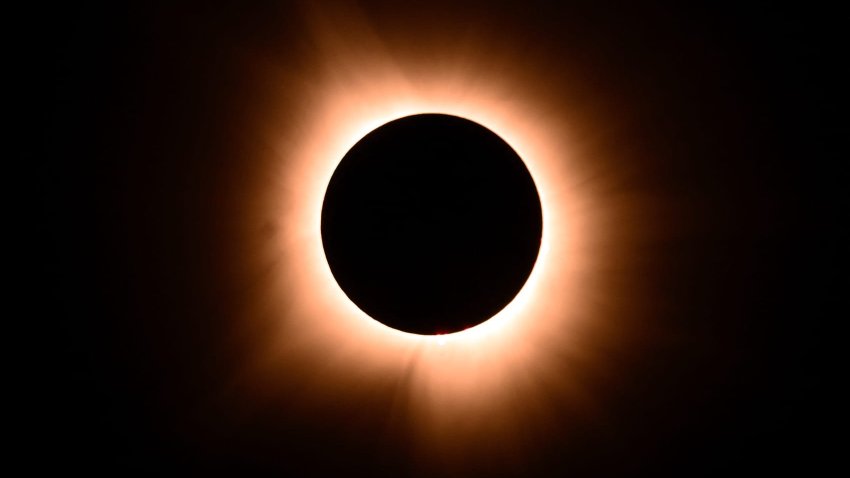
(355, 115)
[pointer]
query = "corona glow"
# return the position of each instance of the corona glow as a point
(496, 375)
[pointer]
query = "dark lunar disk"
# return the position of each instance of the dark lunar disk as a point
(431, 224)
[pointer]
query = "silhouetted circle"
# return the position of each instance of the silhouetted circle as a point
(431, 224)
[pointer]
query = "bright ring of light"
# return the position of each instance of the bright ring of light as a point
(343, 123)
(490, 366)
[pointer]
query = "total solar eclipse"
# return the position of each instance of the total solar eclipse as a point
(431, 224)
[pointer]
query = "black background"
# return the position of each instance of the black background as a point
(134, 116)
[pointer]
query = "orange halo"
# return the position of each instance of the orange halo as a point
(329, 345)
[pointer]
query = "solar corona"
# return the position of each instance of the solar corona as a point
(429, 239)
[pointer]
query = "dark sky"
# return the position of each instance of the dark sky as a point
(730, 112)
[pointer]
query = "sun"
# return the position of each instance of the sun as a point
(347, 115)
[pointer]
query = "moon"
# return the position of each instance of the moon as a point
(431, 224)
